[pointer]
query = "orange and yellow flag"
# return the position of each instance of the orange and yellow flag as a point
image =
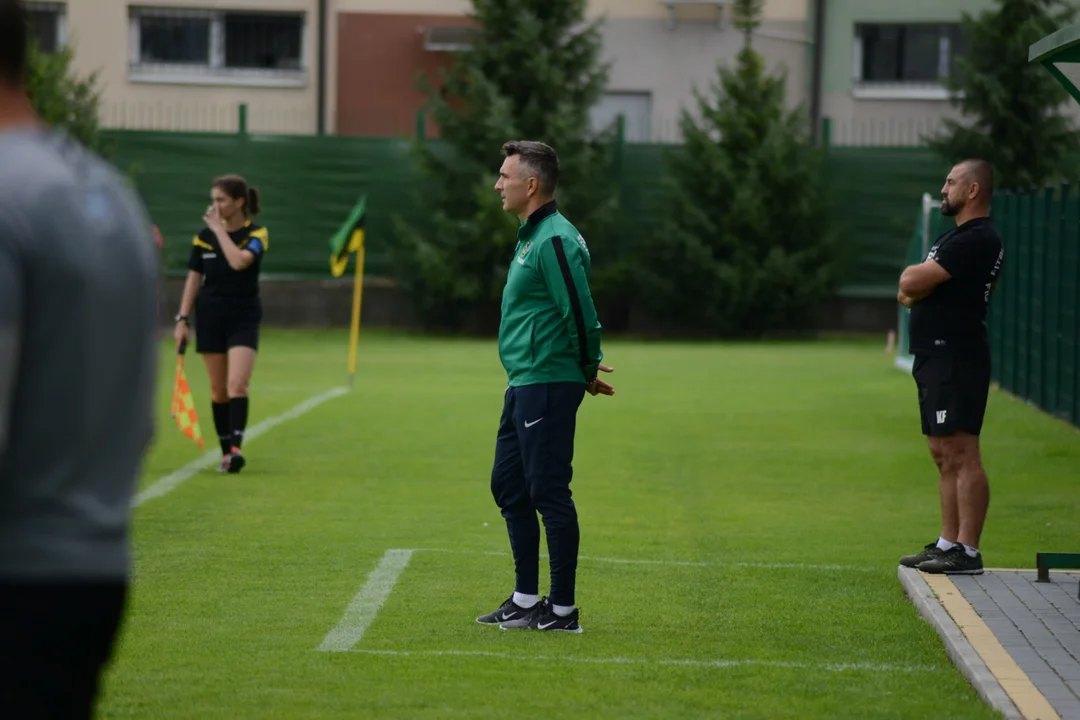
(183, 406)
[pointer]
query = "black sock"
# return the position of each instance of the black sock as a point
(222, 426)
(238, 413)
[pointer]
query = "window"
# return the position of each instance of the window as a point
(905, 60)
(48, 25)
(263, 41)
(635, 107)
(199, 46)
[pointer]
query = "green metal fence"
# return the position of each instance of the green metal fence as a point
(1034, 319)
(309, 184)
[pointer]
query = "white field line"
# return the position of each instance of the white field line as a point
(380, 583)
(365, 606)
(677, 563)
(174, 479)
(687, 662)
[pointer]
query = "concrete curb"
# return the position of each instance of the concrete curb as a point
(960, 650)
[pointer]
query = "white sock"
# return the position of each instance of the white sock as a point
(944, 545)
(525, 601)
(971, 552)
(562, 610)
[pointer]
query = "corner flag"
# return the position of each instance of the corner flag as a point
(347, 240)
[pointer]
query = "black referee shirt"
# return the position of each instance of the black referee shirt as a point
(953, 317)
(219, 279)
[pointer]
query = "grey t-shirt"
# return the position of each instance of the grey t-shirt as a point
(78, 358)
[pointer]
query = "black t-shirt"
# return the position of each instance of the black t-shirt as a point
(953, 317)
(219, 279)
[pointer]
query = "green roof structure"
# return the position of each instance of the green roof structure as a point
(1059, 53)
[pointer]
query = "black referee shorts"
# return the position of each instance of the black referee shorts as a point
(221, 324)
(953, 390)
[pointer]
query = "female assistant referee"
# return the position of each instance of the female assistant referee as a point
(223, 274)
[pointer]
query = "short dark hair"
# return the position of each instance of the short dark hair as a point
(539, 159)
(236, 187)
(982, 172)
(14, 32)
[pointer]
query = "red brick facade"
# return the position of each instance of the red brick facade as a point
(379, 57)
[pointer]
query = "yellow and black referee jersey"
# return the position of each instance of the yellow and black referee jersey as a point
(219, 279)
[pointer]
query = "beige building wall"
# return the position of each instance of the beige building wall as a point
(773, 9)
(654, 69)
(100, 32)
(658, 55)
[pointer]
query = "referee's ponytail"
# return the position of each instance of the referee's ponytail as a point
(253, 205)
(236, 187)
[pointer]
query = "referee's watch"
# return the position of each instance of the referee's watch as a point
(182, 318)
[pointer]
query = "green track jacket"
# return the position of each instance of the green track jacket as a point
(549, 330)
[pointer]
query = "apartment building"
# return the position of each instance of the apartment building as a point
(183, 65)
(349, 66)
(884, 66)
(659, 51)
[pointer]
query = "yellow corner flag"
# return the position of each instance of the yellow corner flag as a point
(183, 405)
(347, 240)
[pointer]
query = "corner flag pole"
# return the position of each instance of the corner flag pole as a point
(358, 287)
(349, 239)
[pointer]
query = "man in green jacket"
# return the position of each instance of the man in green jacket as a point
(549, 344)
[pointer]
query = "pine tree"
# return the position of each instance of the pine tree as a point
(1012, 110)
(532, 72)
(63, 99)
(746, 247)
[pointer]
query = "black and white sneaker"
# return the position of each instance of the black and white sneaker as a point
(507, 612)
(953, 562)
(543, 617)
(930, 552)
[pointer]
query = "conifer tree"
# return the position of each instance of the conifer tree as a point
(63, 99)
(532, 72)
(746, 247)
(1012, 110)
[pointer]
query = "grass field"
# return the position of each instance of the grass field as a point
(742, 511)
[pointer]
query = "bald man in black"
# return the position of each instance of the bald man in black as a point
(948, 295)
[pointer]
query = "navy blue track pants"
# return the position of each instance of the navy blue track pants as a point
(534, 451)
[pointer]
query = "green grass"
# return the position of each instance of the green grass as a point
(725, 456)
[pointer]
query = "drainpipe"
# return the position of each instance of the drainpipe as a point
(815, 80)
(321, 80)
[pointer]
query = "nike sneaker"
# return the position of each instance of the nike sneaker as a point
(543, 617)
(507, 612)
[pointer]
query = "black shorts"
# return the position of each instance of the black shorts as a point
(952, 392)
(56, 640)
(224, 324)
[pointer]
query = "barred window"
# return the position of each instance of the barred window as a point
(174, 40)
(48, 24)
(180, 45)
(263, 41)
